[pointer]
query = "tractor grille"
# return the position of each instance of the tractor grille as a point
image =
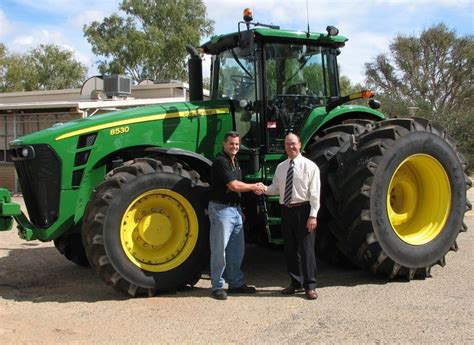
(39, 175)
(82, 156)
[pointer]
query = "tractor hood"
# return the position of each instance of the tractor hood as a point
(118, 119)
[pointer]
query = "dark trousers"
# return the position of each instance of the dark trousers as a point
(299, 246)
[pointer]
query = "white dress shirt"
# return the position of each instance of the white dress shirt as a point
(306, 183)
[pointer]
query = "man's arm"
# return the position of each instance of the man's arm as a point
(239, 186)
(314, 200)
(314, 192)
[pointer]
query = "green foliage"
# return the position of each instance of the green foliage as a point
(11, 70)
(433, 75)
(47, 67)
(53, 68)
(346, 87)
(314, 77)
(150, 41)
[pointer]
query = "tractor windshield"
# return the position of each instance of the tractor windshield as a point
(298, 78)
(295, 70)
(236, 75)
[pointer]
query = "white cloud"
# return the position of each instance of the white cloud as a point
(68, 7)
(84, 57)
(32, 37)
(86, 17)
(361, 48)
(445, 3)
(23, 41)
(5, 25)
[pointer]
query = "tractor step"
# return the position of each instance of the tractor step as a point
(274, 221)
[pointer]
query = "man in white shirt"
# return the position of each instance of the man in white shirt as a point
(297, 182)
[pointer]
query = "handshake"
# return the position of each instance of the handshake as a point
(259, 188)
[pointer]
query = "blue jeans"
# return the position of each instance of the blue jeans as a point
(227, 245)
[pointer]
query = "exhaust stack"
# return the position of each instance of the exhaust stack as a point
(195, 74)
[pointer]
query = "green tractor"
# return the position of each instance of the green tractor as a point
(126, 191)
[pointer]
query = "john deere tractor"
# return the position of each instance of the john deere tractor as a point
(126, 191)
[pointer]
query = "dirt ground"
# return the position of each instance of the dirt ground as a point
(46, 299)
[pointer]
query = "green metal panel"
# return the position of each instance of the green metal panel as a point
(197, 127)
(319, 117)
(300, 35)
(316, 37)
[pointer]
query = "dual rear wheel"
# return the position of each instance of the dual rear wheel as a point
(397, 197)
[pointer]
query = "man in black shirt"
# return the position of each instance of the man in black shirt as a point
(225, 215)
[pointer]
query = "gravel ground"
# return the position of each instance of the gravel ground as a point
(46, 299)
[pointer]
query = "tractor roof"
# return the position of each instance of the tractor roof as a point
(222, 42)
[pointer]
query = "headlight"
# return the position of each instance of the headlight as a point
(24, 152)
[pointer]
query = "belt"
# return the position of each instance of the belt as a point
(298, 204)
(232, 204)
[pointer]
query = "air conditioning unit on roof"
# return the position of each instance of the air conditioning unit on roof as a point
(117, 85)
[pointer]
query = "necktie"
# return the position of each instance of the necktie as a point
(289, 184)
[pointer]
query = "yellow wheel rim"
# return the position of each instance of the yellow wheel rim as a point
(419, 199)
(159, 230)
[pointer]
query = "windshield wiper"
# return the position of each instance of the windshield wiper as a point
(240, 63)
(299, 69)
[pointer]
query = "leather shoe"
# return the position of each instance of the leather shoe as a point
(311, 294)
(291, 290)
(244, 289)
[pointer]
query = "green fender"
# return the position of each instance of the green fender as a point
(319, 117)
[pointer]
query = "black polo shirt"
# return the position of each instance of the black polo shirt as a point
(223, 172)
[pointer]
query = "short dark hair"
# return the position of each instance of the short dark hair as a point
(231, 134)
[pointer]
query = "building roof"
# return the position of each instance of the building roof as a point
(76, 101)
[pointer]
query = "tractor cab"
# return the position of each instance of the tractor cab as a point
(274, 78)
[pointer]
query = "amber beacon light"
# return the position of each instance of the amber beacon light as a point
(248, 15)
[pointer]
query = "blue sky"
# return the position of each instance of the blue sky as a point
(370, 25)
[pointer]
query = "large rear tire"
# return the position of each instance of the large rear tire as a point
(323, 150)
(401, 198)
(145, 229)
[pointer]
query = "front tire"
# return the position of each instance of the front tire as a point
(145, 229)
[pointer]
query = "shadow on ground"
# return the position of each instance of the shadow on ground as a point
(43, 275)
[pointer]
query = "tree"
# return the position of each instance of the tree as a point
(346, 86)
(53, 68)
(150, 41)
(11, 70)
(47, 67)
(433, 74)
(433, 70)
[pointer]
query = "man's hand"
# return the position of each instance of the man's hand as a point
(260, 188)
(311, 224)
